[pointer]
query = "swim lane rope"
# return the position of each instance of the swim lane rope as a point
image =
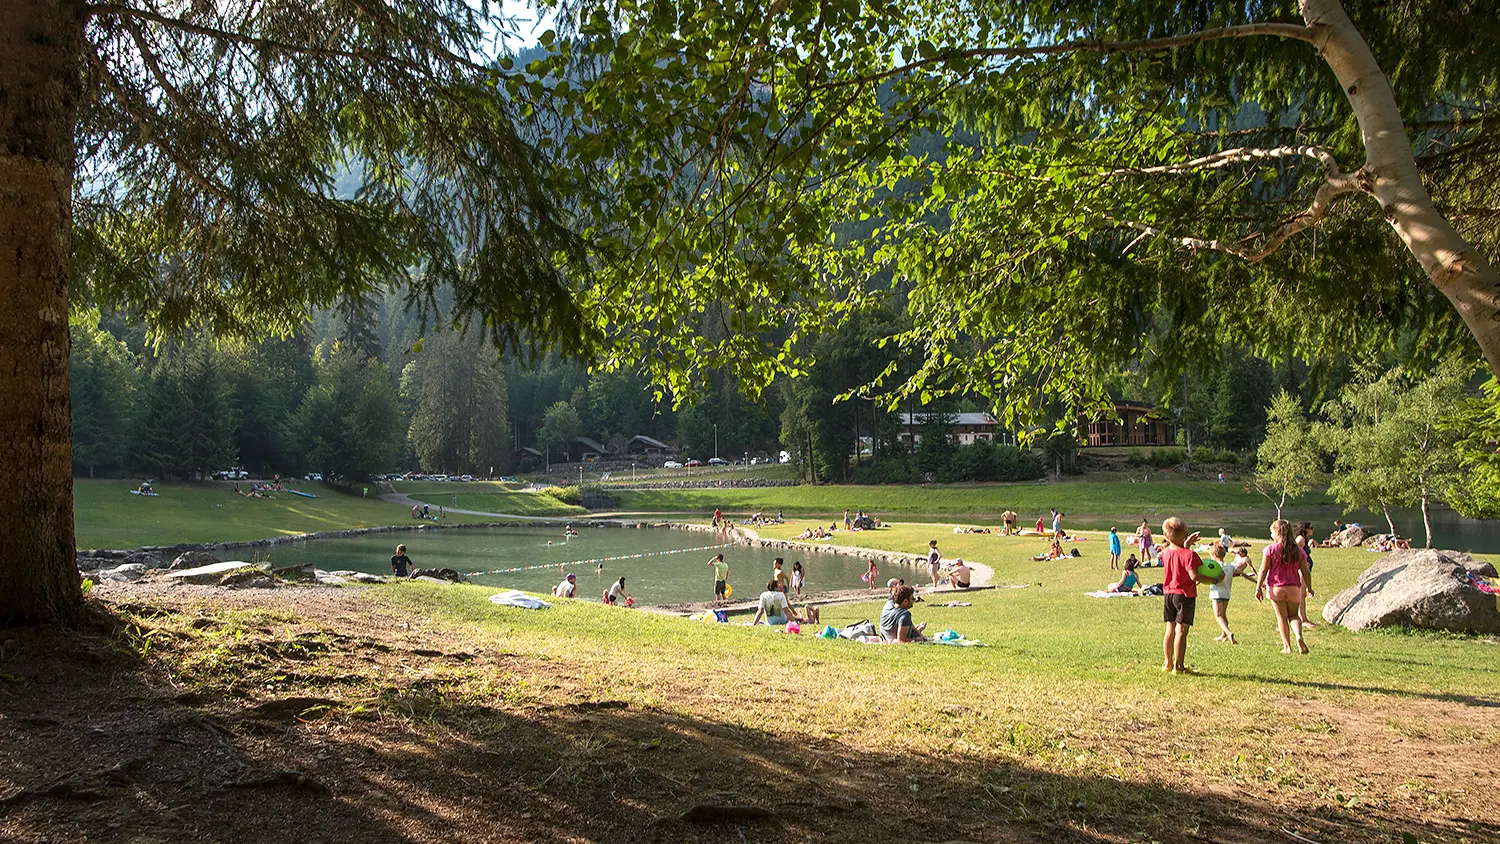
(594, 560)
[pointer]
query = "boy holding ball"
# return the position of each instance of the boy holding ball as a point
(1180, 568)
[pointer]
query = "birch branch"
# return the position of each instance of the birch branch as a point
(1329, 192)
(1238, 155)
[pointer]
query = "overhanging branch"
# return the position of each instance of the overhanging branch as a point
(1239, 155)
(1295, 31)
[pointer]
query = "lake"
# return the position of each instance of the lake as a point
(660, 565)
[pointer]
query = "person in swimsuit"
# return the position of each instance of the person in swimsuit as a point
(1285, 579)
(1128, 581)
(799, 576)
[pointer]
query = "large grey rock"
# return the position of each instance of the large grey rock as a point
(192, 560)
(300, 571)
(1420, 588)
(327, 579)
(145, 558)
(122, 573)
(1351, 537)
(248, 578)
(210, 574)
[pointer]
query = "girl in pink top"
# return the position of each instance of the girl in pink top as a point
(1285, 577)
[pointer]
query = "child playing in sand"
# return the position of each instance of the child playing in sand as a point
(1285, 578)
(1180, 569)
(1219, 592)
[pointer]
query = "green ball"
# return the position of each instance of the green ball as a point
(1210, 569)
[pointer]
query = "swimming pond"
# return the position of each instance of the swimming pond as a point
(660, 565)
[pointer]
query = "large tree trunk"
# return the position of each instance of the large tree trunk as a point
(40, 45)
(1450, 262)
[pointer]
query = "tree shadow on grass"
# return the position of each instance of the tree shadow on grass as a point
(1324, 685)
(99, 745)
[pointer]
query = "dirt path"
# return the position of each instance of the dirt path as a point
(407, 501)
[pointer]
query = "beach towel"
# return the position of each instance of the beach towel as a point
(517, 598)
(1105, 593)
(956, 604)
(956, 639)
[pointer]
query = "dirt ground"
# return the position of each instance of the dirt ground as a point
(317, 716)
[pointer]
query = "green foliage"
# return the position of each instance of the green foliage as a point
(1287, 464)
(757, 181)
(981, 462)
(566, 494)
(1478, 497)
(559, 426)
(459, 422)
(239, 162)
(103, 383)
(186, 423)
(349, 423)
(1396, 440)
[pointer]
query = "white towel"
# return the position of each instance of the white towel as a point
(517, 598)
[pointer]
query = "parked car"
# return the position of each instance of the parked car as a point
(230, 475)
(466, 478)
(692, 463)
(671, 464)
(717, 461)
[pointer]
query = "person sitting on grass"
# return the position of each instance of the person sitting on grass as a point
(1053, 552)
(895, 618)
(568, 588)
(774, 607)
(1285, 577)
(1129, 581)
(1180, 564)
(961, 574)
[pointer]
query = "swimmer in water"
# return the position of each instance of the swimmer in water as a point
(601, 568)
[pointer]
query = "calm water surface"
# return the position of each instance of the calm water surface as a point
(660, 565)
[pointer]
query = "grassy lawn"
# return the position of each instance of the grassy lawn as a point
(984, 500)
(583, 722)
(107, 516)
(488, 496)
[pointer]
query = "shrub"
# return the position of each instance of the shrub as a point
(566, 494)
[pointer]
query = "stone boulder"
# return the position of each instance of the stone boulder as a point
(209, 575)
(248, 578)
(327, 579)
(145, 558)
(192, 560)
(299, 572)
(1350, 537)
(1420, 588)
(122, 573)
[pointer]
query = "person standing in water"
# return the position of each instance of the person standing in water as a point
(401, 564)
(721, 576)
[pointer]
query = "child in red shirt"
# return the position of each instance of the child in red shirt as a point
(1180, 566)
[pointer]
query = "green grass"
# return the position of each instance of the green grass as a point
(988, 500)
(105, 515)
(1069, 685)
(488, 496)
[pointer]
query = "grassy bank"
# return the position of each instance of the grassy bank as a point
(1077, 497)
(106, 515)
(581, 721)
(488, 496)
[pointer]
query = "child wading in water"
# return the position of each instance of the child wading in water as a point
(1284, 576)
(872, 573)
(1219, 592)
(1180, 568)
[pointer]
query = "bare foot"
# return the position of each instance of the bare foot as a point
(1166, 668)
(1185, 670)
(1302, 646)
(1219, 638)
(1309, 624)
(1232, 640)
(1287, 650)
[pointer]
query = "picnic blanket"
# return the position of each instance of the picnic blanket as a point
(1105, 593)
(517, 598)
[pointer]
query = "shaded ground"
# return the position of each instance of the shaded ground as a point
(182, 714)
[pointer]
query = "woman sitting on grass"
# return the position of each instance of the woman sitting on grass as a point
(1054, 552)
(1129, 581)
